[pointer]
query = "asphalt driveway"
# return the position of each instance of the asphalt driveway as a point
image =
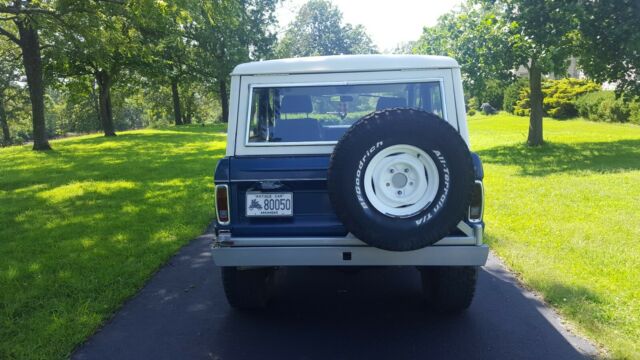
(327, 314)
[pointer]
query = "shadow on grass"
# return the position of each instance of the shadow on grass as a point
(83, 226)
(551, 158)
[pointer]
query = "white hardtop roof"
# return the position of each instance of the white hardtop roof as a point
(344, 63)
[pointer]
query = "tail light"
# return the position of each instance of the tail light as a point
(222, 204)
(476, 209)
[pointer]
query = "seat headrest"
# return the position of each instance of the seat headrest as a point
(390, 102)
(293, 104)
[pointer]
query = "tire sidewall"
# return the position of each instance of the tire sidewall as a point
(368, 223)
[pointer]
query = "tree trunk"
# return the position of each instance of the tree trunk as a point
(106, 114)
(188, 108)
(6, 135)
(224, 99)
(177, 113)
(96, 105)
(32, 61)
(535, 99)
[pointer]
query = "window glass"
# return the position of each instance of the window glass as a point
(324, 113)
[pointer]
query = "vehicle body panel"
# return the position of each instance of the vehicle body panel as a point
(314, 235)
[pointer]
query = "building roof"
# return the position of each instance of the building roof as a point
(344, 63)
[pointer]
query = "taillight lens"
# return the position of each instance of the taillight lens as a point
(222, 204)
(476, 208)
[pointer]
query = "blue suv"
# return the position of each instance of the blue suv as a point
(356, 160)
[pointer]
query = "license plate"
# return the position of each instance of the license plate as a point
(269, 204)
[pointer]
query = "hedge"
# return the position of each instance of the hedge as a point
(603, 106)
(559, 97)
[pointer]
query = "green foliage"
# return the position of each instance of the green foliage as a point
(115, 208)
(318, 29)
(559, 97)
(493, 94)
(472, 106)
(512, 94)
(575, 244)
(131, 53)
(476, 38)
(604, 106)
(609, 43)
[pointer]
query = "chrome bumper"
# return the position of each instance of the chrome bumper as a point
(465, 250)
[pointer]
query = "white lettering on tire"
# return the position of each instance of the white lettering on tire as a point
(358, 188)
(445, 190)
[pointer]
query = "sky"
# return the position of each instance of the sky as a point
(388, 22)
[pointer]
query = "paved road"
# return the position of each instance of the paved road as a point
(327, 314)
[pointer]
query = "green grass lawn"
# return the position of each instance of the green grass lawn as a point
(566, 218)
(82, 227)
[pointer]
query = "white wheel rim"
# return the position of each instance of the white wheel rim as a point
(401, 180)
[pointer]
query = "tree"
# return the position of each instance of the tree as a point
(318, 29)
(173, 52)
(101, 39)
(543, 35)
(479, 41)
(493, 37)
(405, 47)
(609, 45)
(227, 33)
(21, 22)
(9, 73)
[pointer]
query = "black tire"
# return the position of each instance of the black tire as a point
(372, 134)
(449, 289)
(247, 288)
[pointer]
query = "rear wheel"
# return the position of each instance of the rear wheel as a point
(449, 289)
(247, 288)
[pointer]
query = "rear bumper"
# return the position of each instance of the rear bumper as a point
(465, 250)
(473, 255)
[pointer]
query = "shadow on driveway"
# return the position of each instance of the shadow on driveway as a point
(318, 313)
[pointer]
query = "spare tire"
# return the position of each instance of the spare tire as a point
(400, 179)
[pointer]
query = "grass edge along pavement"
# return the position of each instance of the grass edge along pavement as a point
(84, 226)
(565, 218)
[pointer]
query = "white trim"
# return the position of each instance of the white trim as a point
(439, 80)
(461, 111)
(344, 63)
(447, 91)
(232, 121)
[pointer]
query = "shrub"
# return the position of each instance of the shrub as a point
(512, 94)
(472, 106)
(634, 111)
(493, 94)
(604, 106)
(559, 97)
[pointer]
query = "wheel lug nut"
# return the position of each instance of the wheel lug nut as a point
(399, 192)
(411, 183)
(388, 184)
(406, 170)
(391, 171)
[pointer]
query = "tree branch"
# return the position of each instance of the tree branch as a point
(24, 10)
(10, 36)
(119, 2)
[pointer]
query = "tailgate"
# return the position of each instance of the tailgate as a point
(305, 177)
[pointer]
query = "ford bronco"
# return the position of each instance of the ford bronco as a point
(343, 160)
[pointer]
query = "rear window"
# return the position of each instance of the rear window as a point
(323, 113)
